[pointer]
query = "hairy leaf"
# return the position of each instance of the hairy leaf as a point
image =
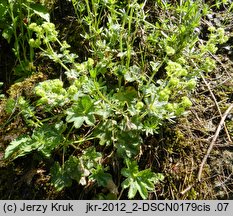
(100, 176)
(128, 143)
(19, 147)
(91, 158)
(40, 10)
(141, 181)
(43, 139)
(62, 176)
(81, 112)
(59, 178)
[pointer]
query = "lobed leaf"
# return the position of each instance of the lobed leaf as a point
(81, 112)
(43, 139)
(40, 10)
(19, 147)
(100, 176)
(141, 181)
(58, 177)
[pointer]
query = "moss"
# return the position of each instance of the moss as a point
(25, 87)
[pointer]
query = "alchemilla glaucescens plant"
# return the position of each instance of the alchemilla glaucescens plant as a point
(139, 73)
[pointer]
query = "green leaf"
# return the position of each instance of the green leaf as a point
(59, 178)
(19, 147)
(81, 112)
(10, 105)
(3, 8)
(132, 168)
(62, 177)
(73, 169)
(105, 131)
(128, 143)
(151, 125)
(86, 104)
(8, 33)
(78, 121)
(91, 158)
(103, 110)
(133, 74)
(155, 66)
(40, 10)
(142, 189)
(28, 112)
(141, 181)
(43, 139)
(126, 183)
(90, 120)
(100, 176)
(47, 138)
(126, 95)
(132, 190)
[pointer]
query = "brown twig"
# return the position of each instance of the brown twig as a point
(213, 141)
(186, 189)
(216, 103)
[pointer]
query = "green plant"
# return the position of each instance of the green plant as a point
(140, 181)
(138, 74)
(15, 17)
(219, 3)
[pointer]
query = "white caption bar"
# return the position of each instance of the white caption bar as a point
(96, 208)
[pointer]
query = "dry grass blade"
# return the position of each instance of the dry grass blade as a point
(213, 141)
(216, 103)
